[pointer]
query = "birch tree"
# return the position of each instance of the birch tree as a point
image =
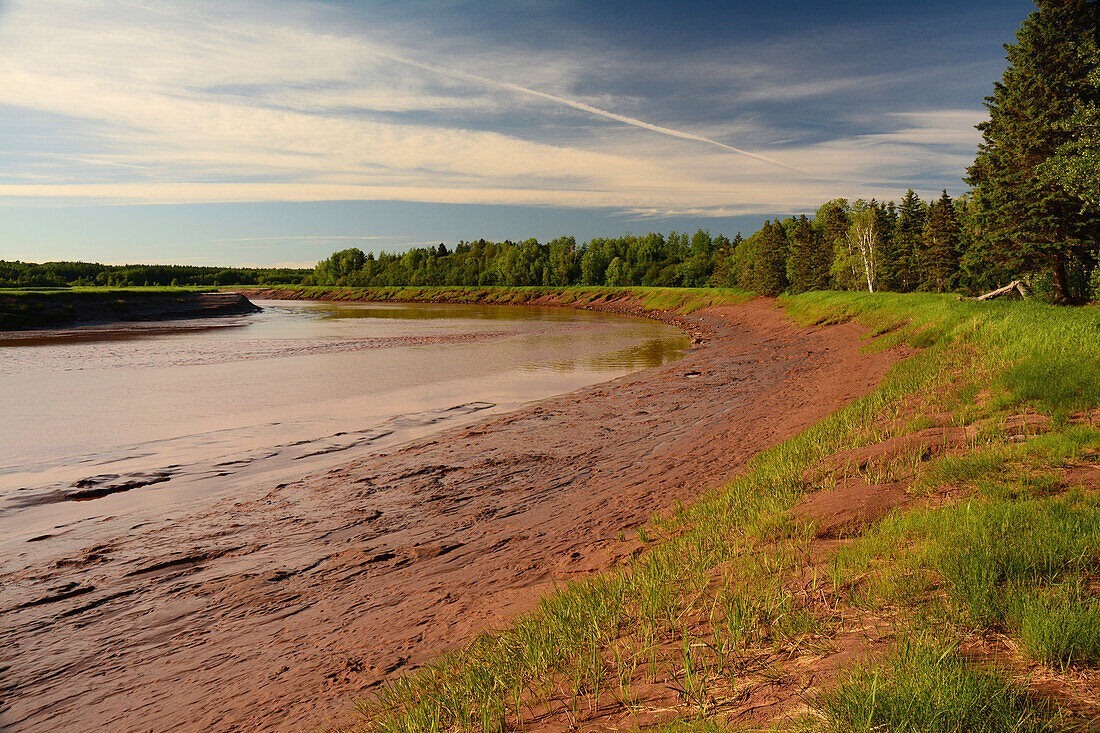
(863, 239)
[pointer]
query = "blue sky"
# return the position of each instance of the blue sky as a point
(276, 131)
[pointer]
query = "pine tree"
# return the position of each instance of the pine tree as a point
(1032, 220)
(720, 275)
(770, 262)
(939, 255)
(888, 264)
(904, 242)
(802, 262)
(1076, 165)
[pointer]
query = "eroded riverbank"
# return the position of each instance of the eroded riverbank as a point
(275, 612)
(61, 308)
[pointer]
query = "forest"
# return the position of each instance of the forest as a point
(911, 245)
(15, 274)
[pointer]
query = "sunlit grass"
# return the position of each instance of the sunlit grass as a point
(39, 307)
(682, 300)
(926, 686)
(723, 583)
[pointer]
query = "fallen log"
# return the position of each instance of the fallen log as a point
(1016, 285)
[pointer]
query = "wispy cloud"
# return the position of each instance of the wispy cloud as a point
(583, 107)
(270, 102)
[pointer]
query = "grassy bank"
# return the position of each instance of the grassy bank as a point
(46, 307)
(683, 300)
(971, 605)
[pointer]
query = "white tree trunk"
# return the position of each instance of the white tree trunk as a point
(865, 241)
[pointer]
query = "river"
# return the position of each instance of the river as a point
(113, 424)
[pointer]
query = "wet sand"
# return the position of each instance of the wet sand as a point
(274, 614)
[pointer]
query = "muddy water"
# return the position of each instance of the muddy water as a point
(104, 426)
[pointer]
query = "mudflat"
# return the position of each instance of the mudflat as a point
(275, 613)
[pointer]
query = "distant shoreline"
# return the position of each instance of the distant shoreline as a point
(33, 310)
(666, 305)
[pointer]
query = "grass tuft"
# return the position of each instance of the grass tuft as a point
(723, 593)
(926, 686)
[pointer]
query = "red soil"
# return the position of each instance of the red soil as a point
(275, 613)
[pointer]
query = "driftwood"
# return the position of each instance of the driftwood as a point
(1016, 285)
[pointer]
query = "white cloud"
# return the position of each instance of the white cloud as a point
(199, 102)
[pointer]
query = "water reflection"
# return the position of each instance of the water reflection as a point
(652, 352)
(438, 311)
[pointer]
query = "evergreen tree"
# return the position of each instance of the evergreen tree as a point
(940, 257)
(802, 263)
(1076, 164)
(720, 274)
(889, 267)
(1032, 221)
(905, 243)
(742, 253)
(770, 265)
(979, 270)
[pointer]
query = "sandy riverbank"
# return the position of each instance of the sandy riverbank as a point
(275, 613)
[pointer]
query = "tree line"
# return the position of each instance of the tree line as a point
(910, 245)
(1033, 211)
(16, 274)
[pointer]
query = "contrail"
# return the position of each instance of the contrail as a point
(632, 121)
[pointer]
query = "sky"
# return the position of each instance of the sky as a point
(273, 132)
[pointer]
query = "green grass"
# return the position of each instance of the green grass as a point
(725, 587)
(926, 687)
(42, 307)
(1017, 566)
(683, 300)
(1037, 354)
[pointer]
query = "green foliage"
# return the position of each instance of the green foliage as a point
(1075, 166)
(863, 246)
(651, 260)
(721, 275)
(939, 257)
(23, 275)
(769, 275)
(339, 266)
(904, 244)
(927, 687)
(807, 267)
(1031, 221)
(857, 258)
